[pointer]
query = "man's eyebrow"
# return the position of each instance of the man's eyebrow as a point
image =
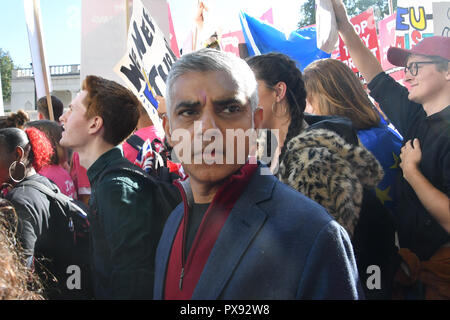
(227, 101)
(187, 104)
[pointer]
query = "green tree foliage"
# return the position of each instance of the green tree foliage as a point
(6, 67)
(354, 7)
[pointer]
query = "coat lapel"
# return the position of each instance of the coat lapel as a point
(164, 248)
(241, 227)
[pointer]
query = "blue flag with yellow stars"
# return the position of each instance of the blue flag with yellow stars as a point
(385, 143)
(261, 38)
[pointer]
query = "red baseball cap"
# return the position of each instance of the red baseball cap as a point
(431, 46)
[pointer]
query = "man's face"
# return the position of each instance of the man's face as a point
(75, 123)
(210, 103)
(428, 82)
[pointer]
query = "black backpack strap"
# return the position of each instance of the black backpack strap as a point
(127, 167)
(54, 194)
(136, 142)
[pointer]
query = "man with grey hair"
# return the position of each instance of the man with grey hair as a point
(240, 234)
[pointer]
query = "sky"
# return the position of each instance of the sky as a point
(61, 24)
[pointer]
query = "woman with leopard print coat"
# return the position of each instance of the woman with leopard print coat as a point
(322, 158)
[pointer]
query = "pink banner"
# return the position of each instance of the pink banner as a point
(173, 38)
(386, 29)
(386, 36)
(268, 16)
(230, 42)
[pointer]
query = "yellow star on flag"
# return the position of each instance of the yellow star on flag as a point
(383, 195)
(396, 161)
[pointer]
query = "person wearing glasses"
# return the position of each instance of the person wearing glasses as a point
(422, 115)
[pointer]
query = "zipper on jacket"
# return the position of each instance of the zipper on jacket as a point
(185, 222)
(181, 278)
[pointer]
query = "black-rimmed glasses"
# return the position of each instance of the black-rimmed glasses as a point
(413, 67)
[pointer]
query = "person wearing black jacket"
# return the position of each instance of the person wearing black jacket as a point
(321, 157)
(422, 116)
(126, 218)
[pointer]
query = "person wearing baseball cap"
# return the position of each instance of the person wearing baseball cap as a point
(422, 116)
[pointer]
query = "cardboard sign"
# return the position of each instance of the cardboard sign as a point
(414, 21)
(441, 18)
(364, 25)
(148, 61)
(36, 40)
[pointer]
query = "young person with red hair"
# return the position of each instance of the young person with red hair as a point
(22, 154)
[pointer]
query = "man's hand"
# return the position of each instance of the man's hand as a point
(411, 154)
(339, 11)
(436, 202)
(363, 58)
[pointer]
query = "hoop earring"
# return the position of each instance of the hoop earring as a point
(11, 168)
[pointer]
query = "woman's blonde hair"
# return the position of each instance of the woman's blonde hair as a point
(336, 90)
(17, 282)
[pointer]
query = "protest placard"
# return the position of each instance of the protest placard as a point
(41, 71)
(414, 21)
(441, 18)
(364, 25)
(230, 42)
(386, 37)
(104, 31)
(145, 66)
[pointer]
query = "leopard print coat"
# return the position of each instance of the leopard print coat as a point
(324, 167)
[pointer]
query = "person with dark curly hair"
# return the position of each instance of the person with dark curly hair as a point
(14, 120)
(17, 282)
(22, 154)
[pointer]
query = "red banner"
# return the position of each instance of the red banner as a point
(364, 25)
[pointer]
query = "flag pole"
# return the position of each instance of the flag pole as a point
(391, 7)
(43, 64)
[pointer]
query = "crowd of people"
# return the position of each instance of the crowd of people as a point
(334, 191)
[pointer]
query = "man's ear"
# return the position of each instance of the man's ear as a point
(95, 125)
(167, 131)
(258, 118)
(280, 89)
